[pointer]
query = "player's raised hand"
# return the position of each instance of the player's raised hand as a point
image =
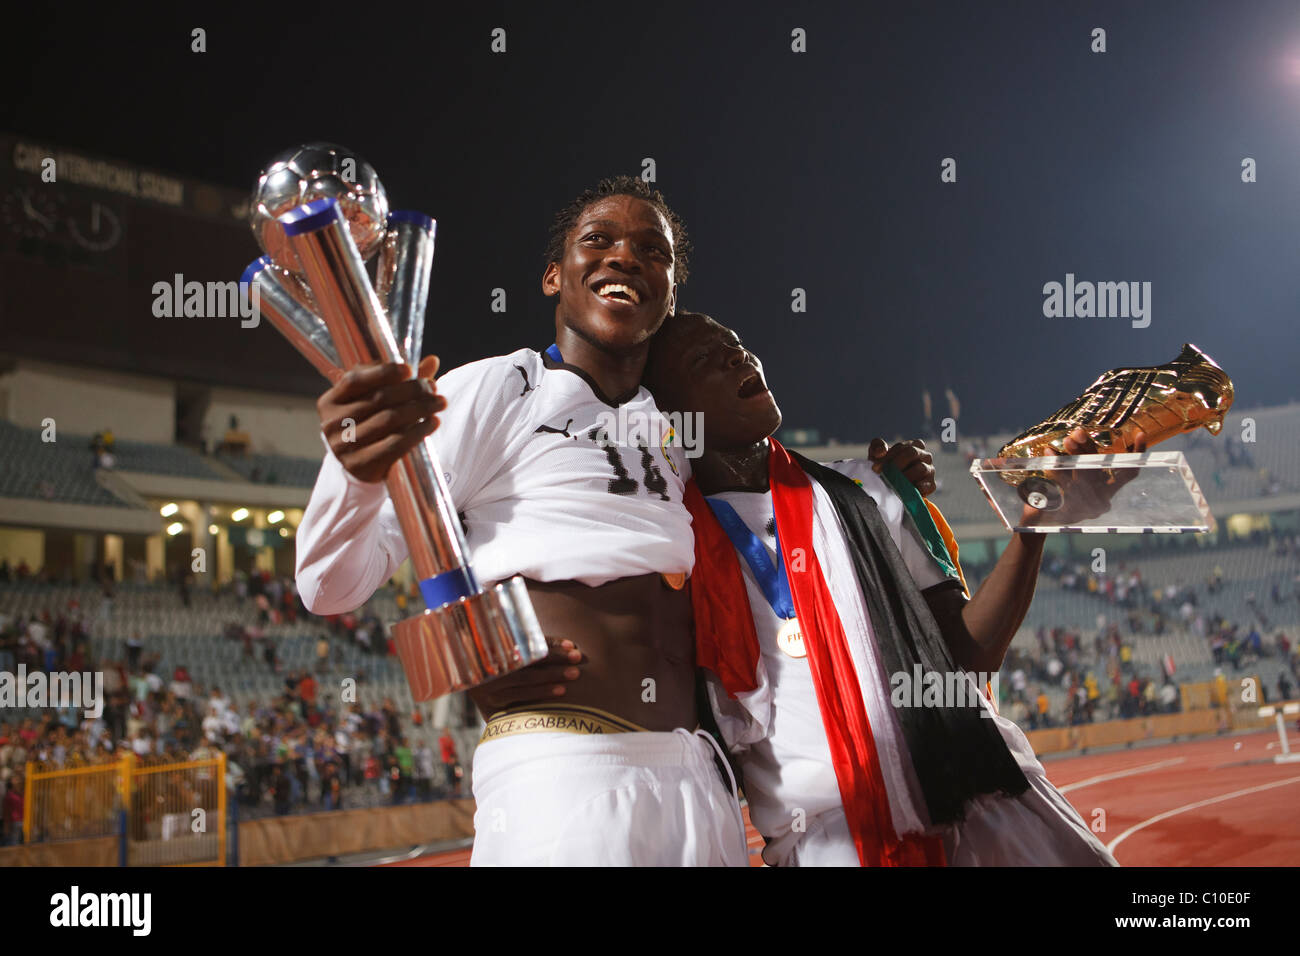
(536, 683)
(1086, 494)
(376, 413)
(909, 457)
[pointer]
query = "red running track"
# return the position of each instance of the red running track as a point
(1217, 801)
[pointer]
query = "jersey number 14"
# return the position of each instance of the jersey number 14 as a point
(622, 483)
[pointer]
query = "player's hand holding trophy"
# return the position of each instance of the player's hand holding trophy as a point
(1035, 485)
(320, 213)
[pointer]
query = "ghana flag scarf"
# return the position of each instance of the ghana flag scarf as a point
(956, 753)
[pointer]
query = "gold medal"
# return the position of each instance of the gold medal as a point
(675, 581)
(790, 639)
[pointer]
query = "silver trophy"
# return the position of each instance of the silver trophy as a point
(319, 212)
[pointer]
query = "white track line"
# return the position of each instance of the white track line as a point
(1293, 742)
(1145, 768)
(1193, 806)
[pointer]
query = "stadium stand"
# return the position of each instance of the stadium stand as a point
(273, 469)
(1168, 610)
(252, 650)
(60, 471)
(1202, 611)
(161, 460)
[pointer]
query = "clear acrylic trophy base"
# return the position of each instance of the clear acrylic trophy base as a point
(1157, 493)
(470, 641)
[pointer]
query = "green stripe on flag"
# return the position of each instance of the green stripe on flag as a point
(921, 517)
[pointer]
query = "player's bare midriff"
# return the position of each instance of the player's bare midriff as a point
(640, 651)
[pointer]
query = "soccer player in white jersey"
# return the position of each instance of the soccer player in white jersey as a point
(847, 591)
(607, 768)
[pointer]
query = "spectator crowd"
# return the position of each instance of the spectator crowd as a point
(311, 746)
(1097, 673)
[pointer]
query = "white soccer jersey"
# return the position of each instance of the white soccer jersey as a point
(778, 733)
(777, 730)
(553, 482)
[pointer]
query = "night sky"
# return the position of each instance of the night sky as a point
(817, 170)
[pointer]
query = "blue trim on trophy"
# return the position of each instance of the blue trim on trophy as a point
(411, 215)
(447, 587)
(254, 267)
(312, 217)
(553, 353)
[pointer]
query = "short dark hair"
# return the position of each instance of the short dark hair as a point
(663, 342)
(568, 217)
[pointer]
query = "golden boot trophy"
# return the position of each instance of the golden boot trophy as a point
(1159, 401)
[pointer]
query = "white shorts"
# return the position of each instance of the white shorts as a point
(1037, 828)
(626, 799)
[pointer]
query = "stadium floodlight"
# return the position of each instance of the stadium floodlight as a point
(239, 514)
(169, 509)
(274, 517)
(175, 528)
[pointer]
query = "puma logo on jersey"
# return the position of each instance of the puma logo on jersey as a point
(556, 431)
(527, 388)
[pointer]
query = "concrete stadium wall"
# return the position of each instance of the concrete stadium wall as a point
(102, 851)
(19, 544)
(1249, 719)
(275, 424)
(277, 840)
(314, 835)
(83, 401)
(1112, 732)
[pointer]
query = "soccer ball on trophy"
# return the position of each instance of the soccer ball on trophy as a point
(318, 171)
(318, 212)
